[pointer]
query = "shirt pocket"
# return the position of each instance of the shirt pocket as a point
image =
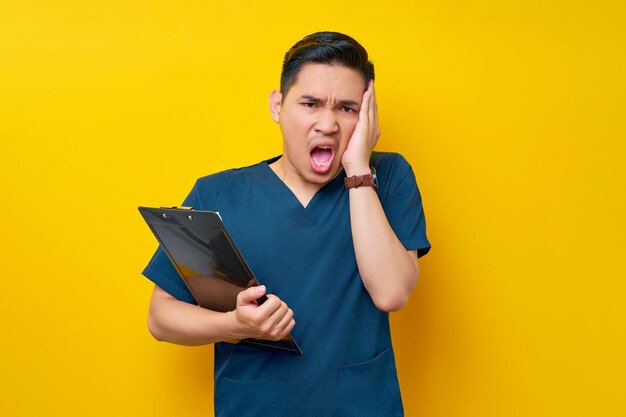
(235, 398)
(370, 389)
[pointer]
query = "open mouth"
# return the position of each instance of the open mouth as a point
(321, 158)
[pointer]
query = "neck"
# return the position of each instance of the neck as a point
(302, 189)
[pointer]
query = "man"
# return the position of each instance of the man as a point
(335, 252)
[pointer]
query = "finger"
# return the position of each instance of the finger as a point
(374, 117)
(285, 320)
(248, 295)
(268, 308)
(279, 314)
(288, 328)
(373, 106)
(365, 104)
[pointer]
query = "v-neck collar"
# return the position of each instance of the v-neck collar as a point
(285, 197)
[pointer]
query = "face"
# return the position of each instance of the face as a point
(317, 118)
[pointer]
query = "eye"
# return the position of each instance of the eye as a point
(346, 109)
(309, 104)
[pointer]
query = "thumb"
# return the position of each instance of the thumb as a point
(248, 295)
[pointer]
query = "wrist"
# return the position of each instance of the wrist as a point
(367, 180)
(357, 169)
(233, 327)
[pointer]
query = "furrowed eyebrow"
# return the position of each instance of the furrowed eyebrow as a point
(349, 103)
(312, 99)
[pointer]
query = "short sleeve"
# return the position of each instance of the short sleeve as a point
(162, 272)
(403, 207)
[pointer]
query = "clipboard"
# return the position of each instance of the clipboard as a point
(209, 263)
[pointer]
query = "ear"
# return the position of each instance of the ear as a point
(276, 99)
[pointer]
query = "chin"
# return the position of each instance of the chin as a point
(325, 178)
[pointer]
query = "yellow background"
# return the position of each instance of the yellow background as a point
(511, 113)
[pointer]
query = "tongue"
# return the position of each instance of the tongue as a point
(320, 155)
(320, 160)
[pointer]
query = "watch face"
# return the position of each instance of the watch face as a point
(374, 179)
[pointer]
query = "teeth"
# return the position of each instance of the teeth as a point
(322, 164)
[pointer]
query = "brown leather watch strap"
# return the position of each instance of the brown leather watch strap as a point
(356, 181)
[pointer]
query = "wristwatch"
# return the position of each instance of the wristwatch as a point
(356, 181)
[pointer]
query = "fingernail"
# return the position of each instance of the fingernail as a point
(260, 289)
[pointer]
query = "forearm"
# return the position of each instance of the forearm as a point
(178, 322)
(389, 272)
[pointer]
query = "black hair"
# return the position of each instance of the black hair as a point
(331, 48)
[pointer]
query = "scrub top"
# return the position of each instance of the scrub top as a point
(305, 256)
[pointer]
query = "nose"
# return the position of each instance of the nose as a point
(327, 122)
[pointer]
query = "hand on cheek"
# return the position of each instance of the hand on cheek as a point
(355, 159)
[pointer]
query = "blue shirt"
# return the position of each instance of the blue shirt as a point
(306, 257)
